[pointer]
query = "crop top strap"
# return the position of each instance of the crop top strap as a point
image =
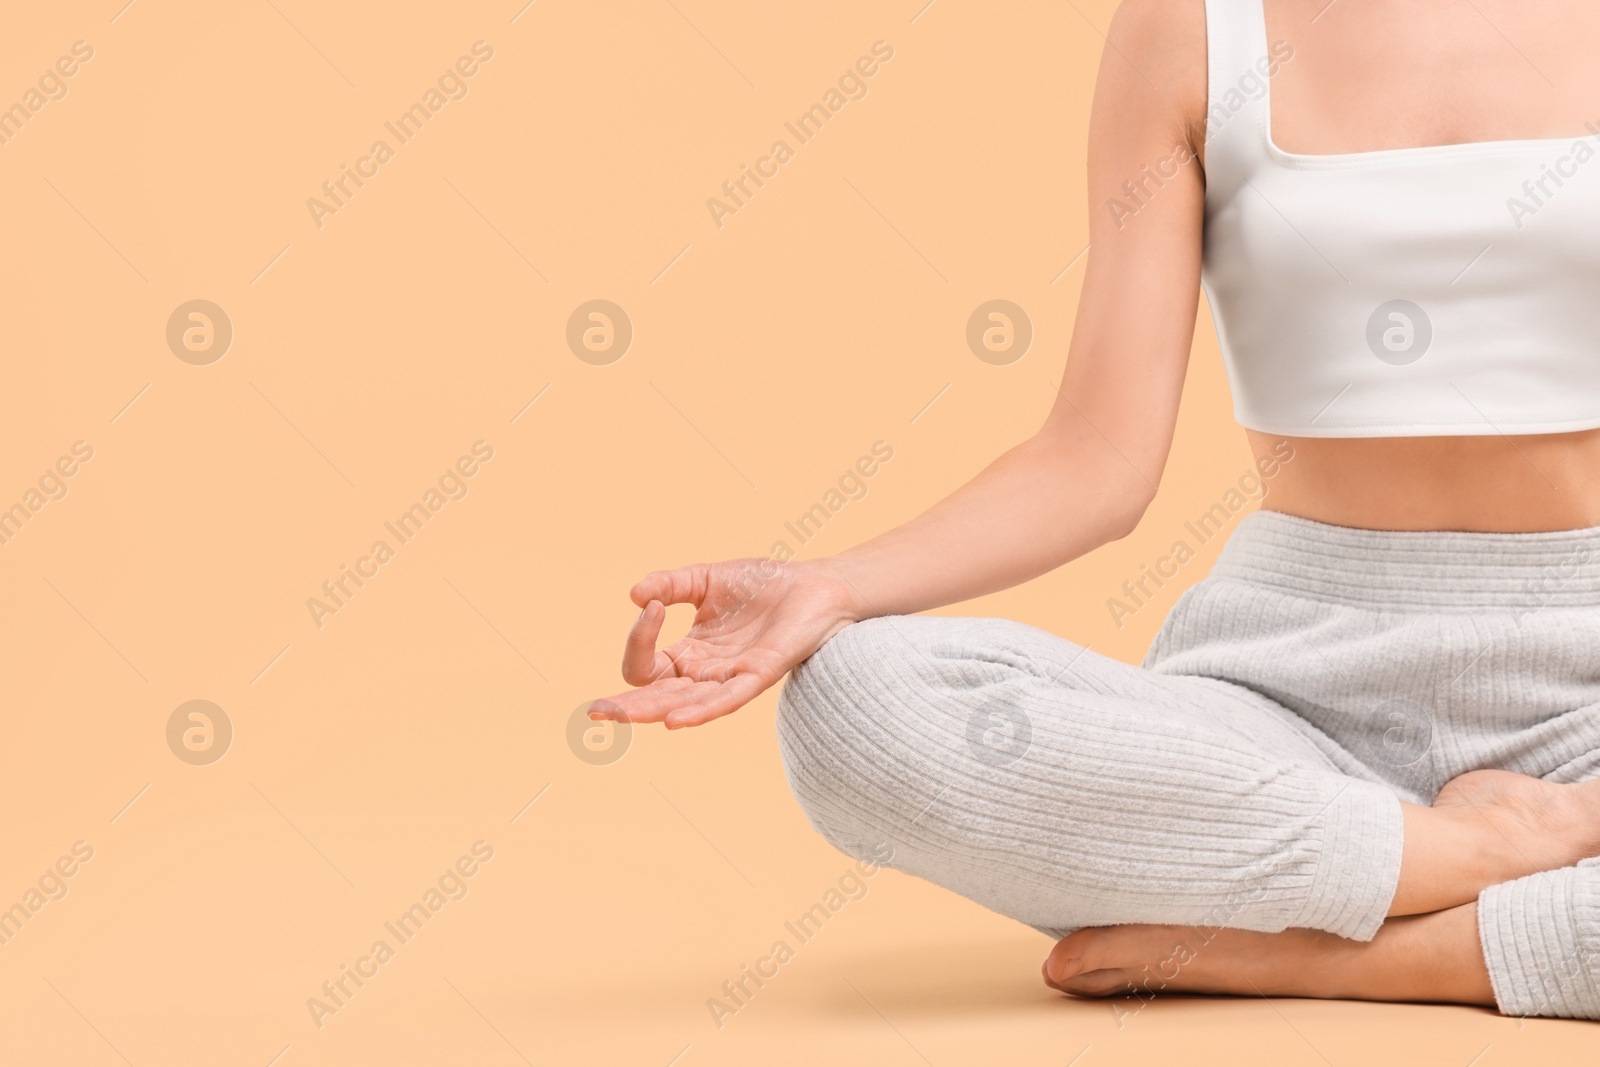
(1239, 66)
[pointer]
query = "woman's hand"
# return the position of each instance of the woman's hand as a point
(756, 619)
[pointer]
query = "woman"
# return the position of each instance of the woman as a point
(1362, 758)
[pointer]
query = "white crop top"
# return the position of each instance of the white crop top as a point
(1436, 291)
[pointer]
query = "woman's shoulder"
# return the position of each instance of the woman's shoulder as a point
(1173, 29)
(1159, 46)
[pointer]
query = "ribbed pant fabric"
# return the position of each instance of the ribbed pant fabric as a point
(1249, 774)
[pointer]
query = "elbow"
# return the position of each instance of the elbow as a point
(1126, 511)
(1127, 496)
(1116, 492)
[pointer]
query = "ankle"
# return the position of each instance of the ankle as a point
(1420, 958)
(1450, 855)
(1438, 957)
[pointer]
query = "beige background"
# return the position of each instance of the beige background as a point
(432, 708)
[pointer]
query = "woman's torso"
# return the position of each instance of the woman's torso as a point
(1482, 484)
(1375, 75)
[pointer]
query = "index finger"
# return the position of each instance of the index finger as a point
(682, 585)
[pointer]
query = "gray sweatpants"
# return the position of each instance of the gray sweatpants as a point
(1249, 774)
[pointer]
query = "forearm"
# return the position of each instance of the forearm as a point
(1051, 499)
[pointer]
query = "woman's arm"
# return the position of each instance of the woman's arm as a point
(1085, 478)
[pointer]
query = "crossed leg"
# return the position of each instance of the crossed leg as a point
(1435, 957)
(1070, 791)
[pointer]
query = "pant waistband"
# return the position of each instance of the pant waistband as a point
(1415, 571)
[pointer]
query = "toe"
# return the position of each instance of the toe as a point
(1074, 954)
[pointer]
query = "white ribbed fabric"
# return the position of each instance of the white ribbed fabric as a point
(1541, 938)
(1411, 292)
(1408, 658)
(1066, 789)
(1248, 775)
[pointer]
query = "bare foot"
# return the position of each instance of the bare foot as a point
(1548, 826)
(1434, 958)
(1487, 827)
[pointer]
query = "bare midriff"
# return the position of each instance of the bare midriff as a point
(1510, 484)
